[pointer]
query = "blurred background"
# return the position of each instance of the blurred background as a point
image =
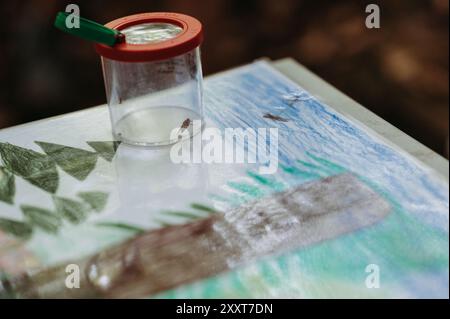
(399, 71)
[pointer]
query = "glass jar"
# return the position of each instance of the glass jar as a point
(153, 78)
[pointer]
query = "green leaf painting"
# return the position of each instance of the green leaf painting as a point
(122, 226)
(74, 161)
(203, 208)
(199, 211)
(96, 200)
(42, 218)
(16, 228)
(74, 211)
(40, 170)
(106, 150)
(7, 186)
(36, 168)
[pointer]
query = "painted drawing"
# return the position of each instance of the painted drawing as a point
(341, 203)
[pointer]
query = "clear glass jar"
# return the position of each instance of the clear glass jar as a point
(153, 79)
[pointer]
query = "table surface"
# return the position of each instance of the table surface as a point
(67, 190)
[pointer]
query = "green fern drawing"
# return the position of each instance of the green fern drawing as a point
(40, 170)
(96, 200)
(76, 162)
(36, 168)
(41, 218)
(16, 228)
(106, 150)
(196, 211)
(7, 186)
(66, 209)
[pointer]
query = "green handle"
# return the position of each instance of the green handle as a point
(89, 30)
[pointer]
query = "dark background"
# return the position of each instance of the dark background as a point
(399, 71)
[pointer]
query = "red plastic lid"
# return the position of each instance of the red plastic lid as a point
(190, 38)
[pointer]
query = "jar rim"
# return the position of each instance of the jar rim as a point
(190, 38)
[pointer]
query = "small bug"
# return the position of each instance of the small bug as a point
(275, 117)
(186, 123)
